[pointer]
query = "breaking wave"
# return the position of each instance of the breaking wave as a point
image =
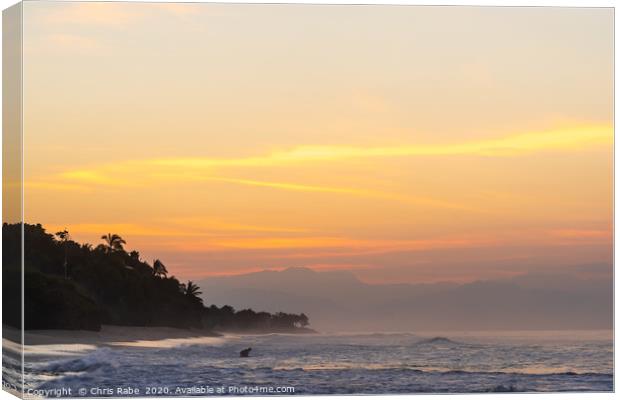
(437, 340)
(103, 357)
(373, 363)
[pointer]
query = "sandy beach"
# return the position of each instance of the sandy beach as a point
(109, 335)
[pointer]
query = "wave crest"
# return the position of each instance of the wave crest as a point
(99, 358)
(437, 340)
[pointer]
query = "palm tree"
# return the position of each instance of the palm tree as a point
(159, 269)
(63, 237)
(113, 242)
(192, 290)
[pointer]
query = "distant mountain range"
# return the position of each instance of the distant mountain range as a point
(338, 301)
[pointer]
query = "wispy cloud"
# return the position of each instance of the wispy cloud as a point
(356, 246)
(154, 172)
(88, 180)
(198, 227)
(576, 138)
(573, 139)
(407, 199)
(581, 234)
(110, 13)
(90, 13)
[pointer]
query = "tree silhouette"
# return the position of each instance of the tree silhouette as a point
(192, 290)
(109, 285)
(63, 237)
(159, 269)
(113, 242)
(302, 320)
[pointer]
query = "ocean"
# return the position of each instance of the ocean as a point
(337, 363)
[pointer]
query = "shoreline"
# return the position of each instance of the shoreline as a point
(296, 331)
(118, 335)
(108, 335)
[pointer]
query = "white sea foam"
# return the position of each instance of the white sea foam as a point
(359, 363)
(102, 357)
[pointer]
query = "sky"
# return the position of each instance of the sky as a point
(403, 144)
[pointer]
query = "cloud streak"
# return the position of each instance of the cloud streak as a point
(108, 13)
(178, 170)
(570, 139)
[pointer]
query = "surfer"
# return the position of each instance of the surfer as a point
(245, 352)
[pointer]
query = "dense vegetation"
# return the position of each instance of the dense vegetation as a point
(68, 285)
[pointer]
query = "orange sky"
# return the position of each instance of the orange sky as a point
(405, 144)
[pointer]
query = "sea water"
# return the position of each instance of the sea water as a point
(337, 363)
